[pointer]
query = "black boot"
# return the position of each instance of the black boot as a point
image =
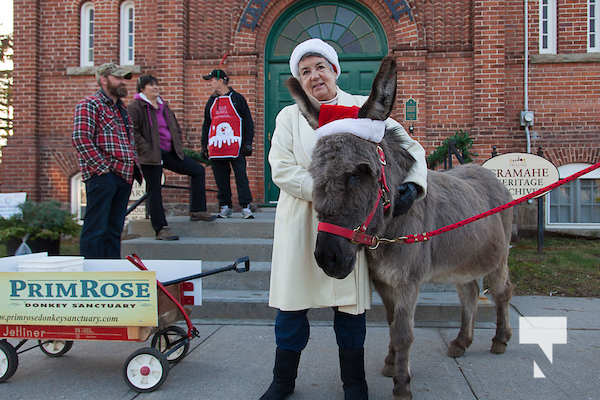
(352, 368)
(284, 375)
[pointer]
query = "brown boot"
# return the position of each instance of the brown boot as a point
(201, 216)
(165, 234)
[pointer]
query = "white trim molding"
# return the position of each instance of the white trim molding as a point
(547, 25)
(127, 34)
(86, 33)
(593, 26)
(564, 171)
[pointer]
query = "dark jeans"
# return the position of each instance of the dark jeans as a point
(153, 174)
(292, 330)
(222, 171)
(107, 197)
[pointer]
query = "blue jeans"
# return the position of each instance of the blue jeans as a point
(107, 196)
(292, 330)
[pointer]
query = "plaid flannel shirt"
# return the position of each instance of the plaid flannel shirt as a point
(101, 136)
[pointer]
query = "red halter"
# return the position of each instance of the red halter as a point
(358, 235)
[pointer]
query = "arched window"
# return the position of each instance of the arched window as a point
(78, 200)
(547, 26)
(87, 34)
(340, 26)
(593, 25)
(127, 33)
(577, 203)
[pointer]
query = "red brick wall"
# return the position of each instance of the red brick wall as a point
(461, 60)
(19, 168)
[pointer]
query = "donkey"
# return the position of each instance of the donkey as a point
(346, 171)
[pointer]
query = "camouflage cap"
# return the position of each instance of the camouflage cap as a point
(114, 70)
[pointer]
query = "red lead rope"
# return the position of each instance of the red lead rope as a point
(359, 236)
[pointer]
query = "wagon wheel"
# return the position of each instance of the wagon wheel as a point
(55, 348)
(9, 361)
(145, 369)
(164, 340)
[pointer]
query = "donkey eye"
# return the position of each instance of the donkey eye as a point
(353, 180)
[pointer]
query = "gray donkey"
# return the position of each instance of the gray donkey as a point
(346, 172)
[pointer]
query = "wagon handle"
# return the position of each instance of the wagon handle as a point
(137, 261)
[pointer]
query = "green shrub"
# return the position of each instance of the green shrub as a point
(44, 220)
(463, 143)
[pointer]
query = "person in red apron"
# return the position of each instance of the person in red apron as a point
(227, 135)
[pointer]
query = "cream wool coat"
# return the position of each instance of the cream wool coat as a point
(297, 282)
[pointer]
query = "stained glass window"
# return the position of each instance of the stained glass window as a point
(344, 29)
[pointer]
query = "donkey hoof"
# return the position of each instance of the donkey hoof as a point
(388, 370)
(455, 350)
(498, 347)
(403, 396)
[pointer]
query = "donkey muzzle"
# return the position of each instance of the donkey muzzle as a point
(335, 255)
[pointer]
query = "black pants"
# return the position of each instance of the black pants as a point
(153, 174)
(222, 171)
(107, 197)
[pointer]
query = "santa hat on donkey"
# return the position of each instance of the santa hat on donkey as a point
(341, 119)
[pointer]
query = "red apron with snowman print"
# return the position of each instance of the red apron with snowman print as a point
(225, 134)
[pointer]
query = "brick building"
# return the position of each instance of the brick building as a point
(461, 62)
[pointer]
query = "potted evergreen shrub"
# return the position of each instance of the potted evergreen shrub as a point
(42, 223)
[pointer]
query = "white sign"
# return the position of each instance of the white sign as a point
(9, 203)
(137, 190)
(543, 331)
(522, 173)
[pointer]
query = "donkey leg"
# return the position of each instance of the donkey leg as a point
(468, 295)
(501, 289)
(387, 297)
(401, 338)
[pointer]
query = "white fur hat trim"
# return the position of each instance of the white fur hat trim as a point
(313, 46)
(368, 129)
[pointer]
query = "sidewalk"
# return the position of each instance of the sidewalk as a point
(234, 361)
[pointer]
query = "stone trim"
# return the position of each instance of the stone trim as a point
(564, 58)
(91, 70)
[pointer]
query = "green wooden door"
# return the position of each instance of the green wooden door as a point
(349, 27)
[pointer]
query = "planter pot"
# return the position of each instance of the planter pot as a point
(52, 246)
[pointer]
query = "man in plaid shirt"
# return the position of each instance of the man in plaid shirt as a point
(103, 139)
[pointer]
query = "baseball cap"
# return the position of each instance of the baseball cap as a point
(216, 73)
(114, 70)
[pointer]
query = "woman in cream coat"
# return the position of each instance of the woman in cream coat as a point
(297, 282)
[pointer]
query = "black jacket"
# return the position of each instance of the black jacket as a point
(240, 105)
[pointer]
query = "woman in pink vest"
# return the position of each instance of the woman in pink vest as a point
(158, 140)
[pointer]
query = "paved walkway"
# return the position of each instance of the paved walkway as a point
(234, 361)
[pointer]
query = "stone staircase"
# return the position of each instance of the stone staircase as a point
(233, 296)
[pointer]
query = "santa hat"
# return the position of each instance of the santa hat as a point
(340, 119)
(314, 46)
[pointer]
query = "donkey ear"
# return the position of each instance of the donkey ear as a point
(308, 105)
(383, 93)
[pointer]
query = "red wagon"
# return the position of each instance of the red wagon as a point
(145, 369)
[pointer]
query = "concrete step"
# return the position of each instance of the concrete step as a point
(253, 305)
(259, 275)
(195, 248)
(259, 227)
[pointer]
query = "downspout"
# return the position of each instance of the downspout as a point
(526, 87)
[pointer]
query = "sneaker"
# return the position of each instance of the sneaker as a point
(202, 216)
(165, 234)
(226, 212)
(247, 213)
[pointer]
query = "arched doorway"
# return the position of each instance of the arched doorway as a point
(348, 26)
